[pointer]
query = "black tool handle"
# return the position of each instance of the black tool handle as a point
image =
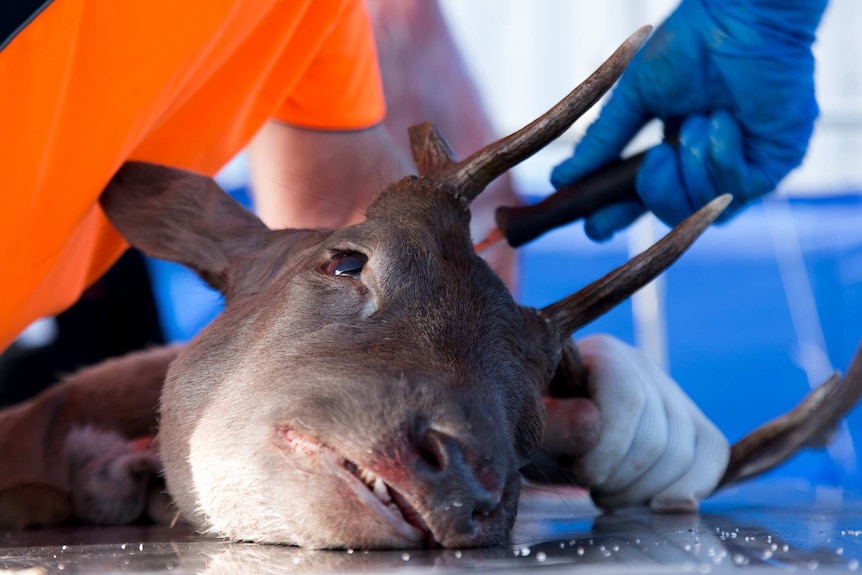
(613, 183)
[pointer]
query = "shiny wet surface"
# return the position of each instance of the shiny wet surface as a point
(768, 526)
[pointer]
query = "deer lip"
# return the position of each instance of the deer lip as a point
(379, 497)
(387, 502)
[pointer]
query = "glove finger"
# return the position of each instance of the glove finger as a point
(660, 186)
(694, 145)
(675, 460)
(712, 453)
(616, 389)
(728, 165)
(601, 225)
(649, 443)
(620, 119)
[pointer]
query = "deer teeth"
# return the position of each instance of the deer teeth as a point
(377, 486)
(367, 477)
(381, 491)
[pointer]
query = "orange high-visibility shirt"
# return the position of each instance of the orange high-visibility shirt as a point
(86, 85)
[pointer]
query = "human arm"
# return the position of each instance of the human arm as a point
(312, 178)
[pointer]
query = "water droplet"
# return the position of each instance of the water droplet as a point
(580, 551)
(812, 564)
(766, 555)
(853, 565)
(457, 554)
(457, 504)
(839, 551)
(405, 557)
(740, 559)
(350, 551)
(785, 547)
(541, 557)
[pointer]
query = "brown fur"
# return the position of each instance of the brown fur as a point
(119, 395)
(374, 386)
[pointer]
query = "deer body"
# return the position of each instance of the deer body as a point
(375, 386)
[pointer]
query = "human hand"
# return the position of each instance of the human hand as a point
(655, 446)
(739, 76)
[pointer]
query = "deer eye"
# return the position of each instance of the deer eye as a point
(347, 264)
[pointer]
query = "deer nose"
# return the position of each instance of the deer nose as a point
(455, 486)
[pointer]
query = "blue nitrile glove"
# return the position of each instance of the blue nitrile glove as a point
(739, 74)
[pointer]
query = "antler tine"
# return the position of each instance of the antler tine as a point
(813, 419)
(430, 150)
(600, 296)
(470, 176)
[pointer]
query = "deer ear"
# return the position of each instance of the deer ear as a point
(183, 217)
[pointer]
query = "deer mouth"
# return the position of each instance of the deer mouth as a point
(385, 502)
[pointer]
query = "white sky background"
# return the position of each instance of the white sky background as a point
(525, 56)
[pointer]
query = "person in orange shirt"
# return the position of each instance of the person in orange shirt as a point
(87, 87)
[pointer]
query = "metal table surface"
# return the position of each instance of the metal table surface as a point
(768, 526)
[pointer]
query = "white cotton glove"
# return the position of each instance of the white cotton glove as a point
(655, 446)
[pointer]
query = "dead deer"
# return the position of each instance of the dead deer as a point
(375, 386)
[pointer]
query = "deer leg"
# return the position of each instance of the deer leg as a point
(44, 455)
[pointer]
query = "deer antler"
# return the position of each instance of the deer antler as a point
(469, 177)
(599, 297)
(817, 415)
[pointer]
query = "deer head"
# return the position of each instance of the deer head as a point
(374, 386)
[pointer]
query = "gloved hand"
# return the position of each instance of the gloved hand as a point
(655, 446)
(739, 76)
